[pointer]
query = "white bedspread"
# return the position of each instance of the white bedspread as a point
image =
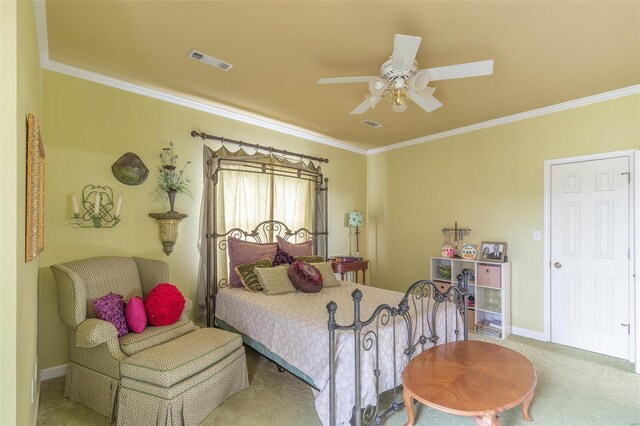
(294, 326)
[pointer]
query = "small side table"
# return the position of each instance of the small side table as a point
(355, 266)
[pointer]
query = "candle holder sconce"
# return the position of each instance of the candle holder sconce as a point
(98, 208)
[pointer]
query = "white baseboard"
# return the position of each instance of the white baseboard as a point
(53, 372)
(537, 335)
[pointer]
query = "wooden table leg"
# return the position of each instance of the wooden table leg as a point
(525, 407)
(489, 419)
(364, 277)
(408, 405)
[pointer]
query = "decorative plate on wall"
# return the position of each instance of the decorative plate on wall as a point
(130, 170)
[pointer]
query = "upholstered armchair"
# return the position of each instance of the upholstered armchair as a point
(95, 351)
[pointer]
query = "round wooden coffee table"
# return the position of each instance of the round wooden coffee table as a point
(469, 378)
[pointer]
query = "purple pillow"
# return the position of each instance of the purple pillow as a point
(295, 250)
(242, 252)
(305, 277)
(111, 308)
(283, 258)
(136, 315)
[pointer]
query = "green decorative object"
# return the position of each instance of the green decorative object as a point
(444, 271)
(130, 170)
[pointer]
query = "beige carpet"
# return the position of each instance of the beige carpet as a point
(574, 388)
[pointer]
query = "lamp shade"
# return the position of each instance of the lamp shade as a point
(355, 218)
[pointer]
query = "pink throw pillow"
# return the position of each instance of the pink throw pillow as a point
(242, 252)
(136, 315)
(295, 250)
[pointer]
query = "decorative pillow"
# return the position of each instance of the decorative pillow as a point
(275, 280)
(283, 258)
(241, 252)
(164, 304)
(302, 249)
(328, 275)
(310, 259)
(305, 277)
(248, 275)
(136, 315)
(111, 308)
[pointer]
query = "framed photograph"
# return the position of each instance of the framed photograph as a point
(493, 251)
(34, 243)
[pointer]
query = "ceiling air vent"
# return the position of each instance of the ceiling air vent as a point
(210, 60)
(372, 124)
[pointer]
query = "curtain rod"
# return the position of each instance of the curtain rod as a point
(204, 136)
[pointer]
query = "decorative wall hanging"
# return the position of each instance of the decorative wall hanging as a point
(98, 207)
(454, 236)
(34, 243)
(129, 169)
(169, 224)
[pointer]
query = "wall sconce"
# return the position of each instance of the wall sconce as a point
(355, 219)
(98, 207)
(169, 223)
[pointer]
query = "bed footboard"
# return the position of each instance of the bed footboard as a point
(418, 313)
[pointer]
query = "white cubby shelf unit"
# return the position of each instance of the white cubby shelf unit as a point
(490, 286)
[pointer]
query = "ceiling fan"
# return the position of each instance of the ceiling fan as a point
(400, 79)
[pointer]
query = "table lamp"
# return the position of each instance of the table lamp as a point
(356, 218)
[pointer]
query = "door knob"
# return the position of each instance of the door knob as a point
(557, 265)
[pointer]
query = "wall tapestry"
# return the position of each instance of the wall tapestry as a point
(35, 190)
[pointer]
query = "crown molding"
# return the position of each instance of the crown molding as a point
(577, 103)
(208, 107)
(205, 106)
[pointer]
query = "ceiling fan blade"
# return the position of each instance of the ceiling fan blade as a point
(471, 69)
(338, 80)
(405, 49)
(428, 104)
(370, 102)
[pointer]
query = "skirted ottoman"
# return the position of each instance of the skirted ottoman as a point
(180, 382)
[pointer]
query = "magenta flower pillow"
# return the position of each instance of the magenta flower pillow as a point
(283, 258)
(111, 308)
(136, 315)
(295, 250)
(305, 277)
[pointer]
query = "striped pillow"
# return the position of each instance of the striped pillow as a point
(248, 276)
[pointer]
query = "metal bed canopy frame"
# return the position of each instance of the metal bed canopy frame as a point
(276, 165)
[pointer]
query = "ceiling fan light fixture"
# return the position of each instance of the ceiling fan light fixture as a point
(399, 107)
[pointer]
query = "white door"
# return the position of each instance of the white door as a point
(590, 241)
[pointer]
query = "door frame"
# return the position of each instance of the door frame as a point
(634, 246)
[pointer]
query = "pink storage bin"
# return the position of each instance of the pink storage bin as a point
(488, 275)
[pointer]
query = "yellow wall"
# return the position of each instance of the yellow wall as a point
(21, 93)
(489, 180)
(8, 213)
(89, 126)
(29, 100)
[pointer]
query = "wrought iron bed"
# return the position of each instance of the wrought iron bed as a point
(417, 312)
